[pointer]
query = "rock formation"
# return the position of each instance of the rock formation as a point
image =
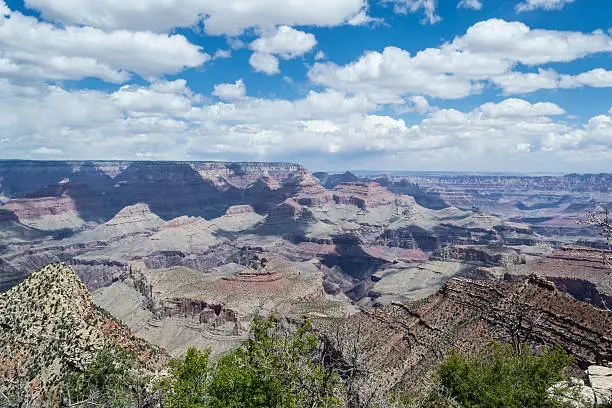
(362, 195)
(402, 342)
(51, 327)
(581, 272)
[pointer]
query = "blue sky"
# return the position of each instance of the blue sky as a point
(476, 85)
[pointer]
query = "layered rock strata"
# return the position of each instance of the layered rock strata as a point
(401, 343)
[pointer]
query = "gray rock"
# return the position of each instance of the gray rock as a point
(600, 378)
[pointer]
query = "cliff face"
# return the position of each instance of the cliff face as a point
(50, 328)
(550, 204)
(401, 343)
(579, 271)
(66, 194)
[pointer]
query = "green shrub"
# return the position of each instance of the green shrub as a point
(107, 381)
(500, 377)
(187, 386)
(274, 368)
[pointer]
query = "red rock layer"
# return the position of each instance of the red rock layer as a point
(30, 208)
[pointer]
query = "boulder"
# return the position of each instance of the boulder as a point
(600, 378)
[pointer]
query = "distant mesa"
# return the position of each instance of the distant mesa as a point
(332, 180)
(239, 210)
(256, 272)
(363, 194)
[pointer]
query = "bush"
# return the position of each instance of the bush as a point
(275, 368)
(502, 378)
(189, 379)
(107, 381)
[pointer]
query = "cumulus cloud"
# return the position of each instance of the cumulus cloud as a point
(220, 54)
(230, 92)
(488, 52)
(266, 63)
(470, 4)
(515, 41)
(395, 72)
(529, 5)
(413, 6)
(160, 99)
(166, 120)
(33, 49)
(284, 42)
(519, 108)
(520, 83)
(229, 17)
(4, 10)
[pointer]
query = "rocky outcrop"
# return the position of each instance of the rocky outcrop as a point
(311, 193)
(582, 272)
(332, 180)
(47, 213)
(239, 209)
(600, 378)
(50, 327)
(482, 255)
(401, 343)
(97, 190)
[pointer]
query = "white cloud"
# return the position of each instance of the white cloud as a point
(515, 41)
(160, 99)
(596, 78)
(286, 42)
(33, 49)
(487, 52)
(45, 151)
(266, 63)
(362, 18)
(529, 5)
(521, 83)
(230, 17)
(230, 92)
(470, 4)
(420, 103)
(4, 10)
(413, 6)
(415, 103)
(167, 121)
(219, 54)
(511, 108)
(320, 55)
(395, 72)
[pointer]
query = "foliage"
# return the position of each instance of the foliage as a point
(437, 397)
(108, 381)
(186, 387)
(275, 368)
(501, 377)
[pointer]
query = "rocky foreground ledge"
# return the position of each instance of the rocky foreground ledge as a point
(401, 343)
(50, 327)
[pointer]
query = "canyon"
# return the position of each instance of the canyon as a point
(187, 253)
